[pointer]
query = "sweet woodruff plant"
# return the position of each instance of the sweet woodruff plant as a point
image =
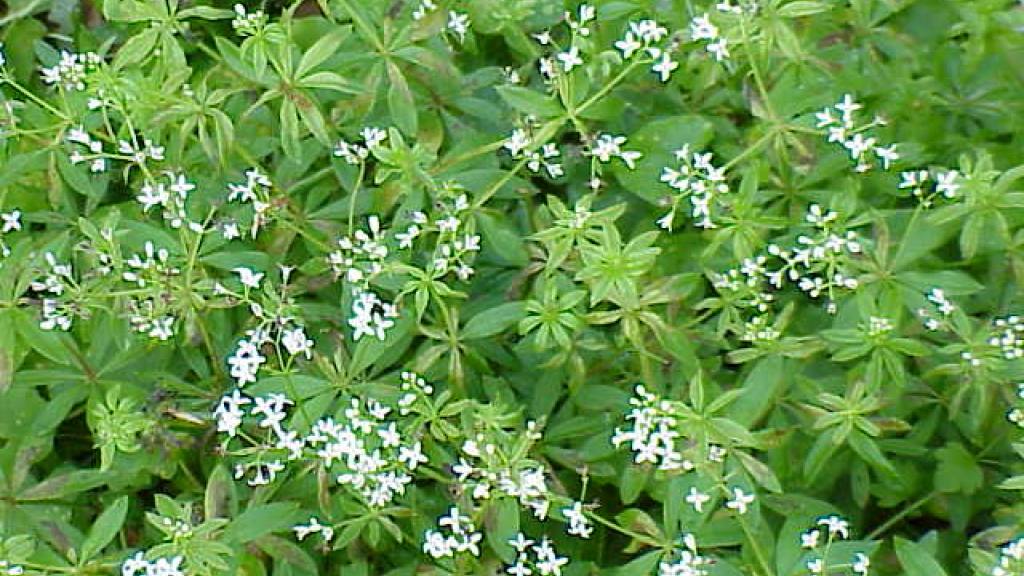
(522, 287)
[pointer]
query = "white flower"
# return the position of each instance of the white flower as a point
(836, 526)
(701, 28)
(578, 523)
(570, 59)
(740, 500)
(628, 45)
(458, 24)
(887, 154)
(248, 277)
(861, 563)
(296, 342)
(946, 183)
(810, 538)
(229, 413)
(847, 107)
(11, 221)
(664, 66)
(314, 527)
(697, 499)
(516, 142)
(719, 49)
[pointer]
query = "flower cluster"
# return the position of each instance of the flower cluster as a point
(455, 244)
(653, 435)
(72, 70)
(370, 451)
(486, 469)
(699, 180)
(928, 186)
(1009, 336)
(703, 30)
(1011, 559)
(458, 24)
(1016, 414)
(877, 326)
(819, 264)
(138, 565)
(941, 305)
(579, 525)
(359, 258)
(521, 147)
(56, 314)
(535, 558)
(456, 534)
(171, 197)
(255, 191)
(685, 560)
(833, 528)
(248, 23)
(354, 153)
(645, 37)
(93, 148)
(374, 457)
(9, 222)
(607, 146)
(302, 531)
(843, 129)
(277, 329)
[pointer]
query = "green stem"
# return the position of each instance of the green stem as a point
(756, 70)
(758, 553)
(901, 515)
(608, 87)
(39, 101)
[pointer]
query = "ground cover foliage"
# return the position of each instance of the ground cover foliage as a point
(630, 287)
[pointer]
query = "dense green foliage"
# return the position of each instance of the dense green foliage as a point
(674, 287)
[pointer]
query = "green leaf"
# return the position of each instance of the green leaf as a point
(7, 349)
(330, 81)
(803, 8)
(206, 13)
(260, 520)
(494, 320)
(502, 523)
(136, 49)
(916, 561)
(131, 11)
(220, 498)
(290, 129)
(762, 386)
(63, 485)
(104, 529)
(529, 101)
(868, 450)
(285, 550)
(55, 346)
(657, 141)
(641, 566)
(761, 472)
(501, 239)
(634, 478)
(401, 103)
(1015, 483)
(323, 49)
(957, 470)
